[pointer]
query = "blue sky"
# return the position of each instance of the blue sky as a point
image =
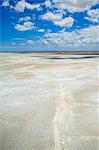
(49, 25)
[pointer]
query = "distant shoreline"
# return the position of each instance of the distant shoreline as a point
(58, 52)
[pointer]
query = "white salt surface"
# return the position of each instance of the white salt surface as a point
(31, 88)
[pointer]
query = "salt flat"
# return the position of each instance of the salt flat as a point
(31, 88)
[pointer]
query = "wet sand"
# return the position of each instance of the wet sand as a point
(31, 85)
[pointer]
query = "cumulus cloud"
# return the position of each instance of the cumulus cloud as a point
(51, 16)
(93, 15)
(48, 4)
(57, 12)
(22, 5)
(41, 30)
(87, 36)
(5, 3)
(66, 22)
(27, 18)
(25, 26)
(74, 5)
(57, 19)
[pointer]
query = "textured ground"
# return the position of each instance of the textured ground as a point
(30, 89)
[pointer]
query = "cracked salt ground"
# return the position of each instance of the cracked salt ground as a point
(30, 97)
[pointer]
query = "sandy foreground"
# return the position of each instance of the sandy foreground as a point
(32, 88)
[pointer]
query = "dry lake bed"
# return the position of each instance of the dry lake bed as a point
(33, 87)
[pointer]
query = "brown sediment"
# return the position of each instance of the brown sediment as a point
(42, 66)
(15, 66)
(24, 75)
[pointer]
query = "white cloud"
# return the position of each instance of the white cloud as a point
(41, 30)
(48, 3)
(74, 5)
(93, 15)
(30, 42)
(5, 3)
(25, 26)
(83, 37)
(66, 22)
(27, 18)
(61, 5)
(22, 5)
(57, 19)
(94, 20)
(51, 16)
(89, 35)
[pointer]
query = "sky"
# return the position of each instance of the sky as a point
(49, 25)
